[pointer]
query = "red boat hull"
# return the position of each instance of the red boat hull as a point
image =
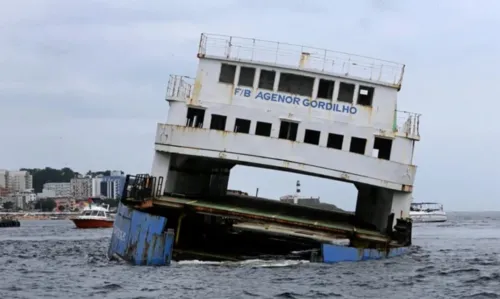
(92, 223)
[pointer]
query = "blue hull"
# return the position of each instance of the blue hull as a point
(336, 253)
(142, 239)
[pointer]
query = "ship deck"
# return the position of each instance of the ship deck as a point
(271, 216)
(239, 227)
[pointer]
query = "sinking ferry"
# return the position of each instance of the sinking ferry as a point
(277, 106)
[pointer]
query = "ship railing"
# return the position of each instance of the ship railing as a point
(180, 87)
(141, 187)
(407, 123)
(297, 56)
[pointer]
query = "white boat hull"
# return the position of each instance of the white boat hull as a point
(428, 216)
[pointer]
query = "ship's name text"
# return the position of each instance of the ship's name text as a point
(287, 99)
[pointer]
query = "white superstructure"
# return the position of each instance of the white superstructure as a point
(291, 108)
(427, 212)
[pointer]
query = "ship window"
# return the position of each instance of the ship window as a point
(101, 214)
(94, 213)
(195, 117)
(325, 89)
(358, 145)
(247, 75)
(365, 96)
(266, 79)
(346, 92)
(227, 73)
(218, 122)
(263, 129)
(311, 136)
(335, 141)
(288, 130)
(296, 84)
(242, 125)
(383, 145)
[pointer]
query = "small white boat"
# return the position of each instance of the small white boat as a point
(94, 216)
(427, 212)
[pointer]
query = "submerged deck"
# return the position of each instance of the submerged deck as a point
(271, 216)
(240, 227)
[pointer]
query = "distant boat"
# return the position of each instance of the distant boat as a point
(94, 216)
(427, 212)
(9, 222)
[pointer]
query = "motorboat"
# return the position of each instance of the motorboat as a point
(94, 216)
(427, 212)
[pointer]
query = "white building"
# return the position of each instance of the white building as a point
(46, 193)
(16, 181)
(96, 186)
(291, 108)
(81, 188)
(108, 186)
(116, 173)
(3, 178)
(22, 198)
(60, 189)
(112, 189)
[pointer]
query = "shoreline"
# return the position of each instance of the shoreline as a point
(41, 218)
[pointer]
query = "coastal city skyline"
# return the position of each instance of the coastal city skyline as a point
(18, 190)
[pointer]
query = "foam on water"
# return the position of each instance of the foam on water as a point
(253, 262)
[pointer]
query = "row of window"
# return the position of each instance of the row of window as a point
(296, 84)
(94, 213)
(288, 130)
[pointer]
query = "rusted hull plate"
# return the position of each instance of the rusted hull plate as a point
(140, 238)
(335, 253)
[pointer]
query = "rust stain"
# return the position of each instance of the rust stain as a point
(146, 247)
(344, 176)
(181, 129)
(155, 239)
(304, 59)
(148, 203)
(360, 252)
(194, 99)
(130, 251)
(407, 188)
(368, 110)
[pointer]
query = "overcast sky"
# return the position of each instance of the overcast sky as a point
(82, 83)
